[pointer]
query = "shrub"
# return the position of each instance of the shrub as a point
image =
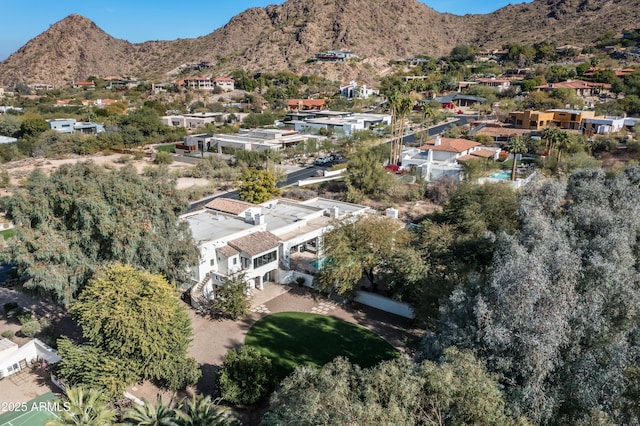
(31, 329)
(8, 334)
(633, 147)
(11, 309)
(246, 376)
(25, 317)
(300, 281)
(163, 158)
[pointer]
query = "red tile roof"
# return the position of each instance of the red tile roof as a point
(574, 84)
(305, 102)
(256, 243)
(484, 153)
(227, 205)
(450, 145)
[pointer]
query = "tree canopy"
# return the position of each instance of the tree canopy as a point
(360, 248)
(82, 216)
(400, 392)
(257, 186)
(557, 317)
(137, 317)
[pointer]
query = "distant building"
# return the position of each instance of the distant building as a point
(345, 123)
(70, 125)
(192, 121)
(224, 83)
(580, 87)
(306, 104)
(562, 118)
(500, 84)
(353, 90)
(246, 139)
(6, 108)
(7, 139)
(83, 85)
(334, 56)
(41, 86)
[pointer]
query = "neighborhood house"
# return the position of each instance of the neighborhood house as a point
(266, 242)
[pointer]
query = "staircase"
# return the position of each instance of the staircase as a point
(198, 301)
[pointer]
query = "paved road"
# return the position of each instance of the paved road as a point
(292, 178)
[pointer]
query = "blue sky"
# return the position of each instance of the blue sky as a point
(138, 21)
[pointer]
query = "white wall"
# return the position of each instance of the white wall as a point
(384, 304)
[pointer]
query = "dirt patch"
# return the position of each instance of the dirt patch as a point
(19, 170)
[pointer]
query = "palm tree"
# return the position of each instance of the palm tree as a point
(158, 414)
(551, 135)
(428, 113)
(86, 407)
(516, 145)
(400, 105)
(200, 411)
(562, 144)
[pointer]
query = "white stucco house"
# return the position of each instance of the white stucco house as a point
(14, 358)
(354, 90)
(246, 139)
(443, 156)
(259, 240)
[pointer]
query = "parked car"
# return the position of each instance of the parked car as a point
(321, 161)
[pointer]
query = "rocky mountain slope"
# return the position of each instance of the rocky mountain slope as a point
(285, 36)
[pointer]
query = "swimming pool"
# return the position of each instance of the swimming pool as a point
(501, 175)
(319, 263)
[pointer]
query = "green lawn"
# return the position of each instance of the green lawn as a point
(166, 148)
(294, 338)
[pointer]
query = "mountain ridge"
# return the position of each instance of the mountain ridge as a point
(279, 37)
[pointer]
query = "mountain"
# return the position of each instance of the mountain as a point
(285, 36)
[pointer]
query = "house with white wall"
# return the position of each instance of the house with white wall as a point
(226, 84)
(258, 240)
(70, 125)
(443, 156)
(14, 358)
(353, 90)
(344, 123)
(259, 139)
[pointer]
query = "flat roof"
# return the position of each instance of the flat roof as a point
(210, 226)
(326, 203)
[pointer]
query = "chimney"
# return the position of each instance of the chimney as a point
(258, 219)
(438, 141)
(248, 216)
(335, 212)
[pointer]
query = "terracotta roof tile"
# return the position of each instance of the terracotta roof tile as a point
(256, 243)
(227, 251)
(450, 145)
(227, 205)
(484, 153)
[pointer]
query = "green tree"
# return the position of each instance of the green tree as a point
(259, 120)
(148, 414)
(10, 125)
(200, 410)
(557, 318)
(462, 53)
(231, 297)
(257, 186)
(137, 316)
(516, 146)
(32, 126)
(456, 391)
(84, 407)
(360, 248)
(82, 216)
(91, 367)
(246, 376)
(365, 172)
